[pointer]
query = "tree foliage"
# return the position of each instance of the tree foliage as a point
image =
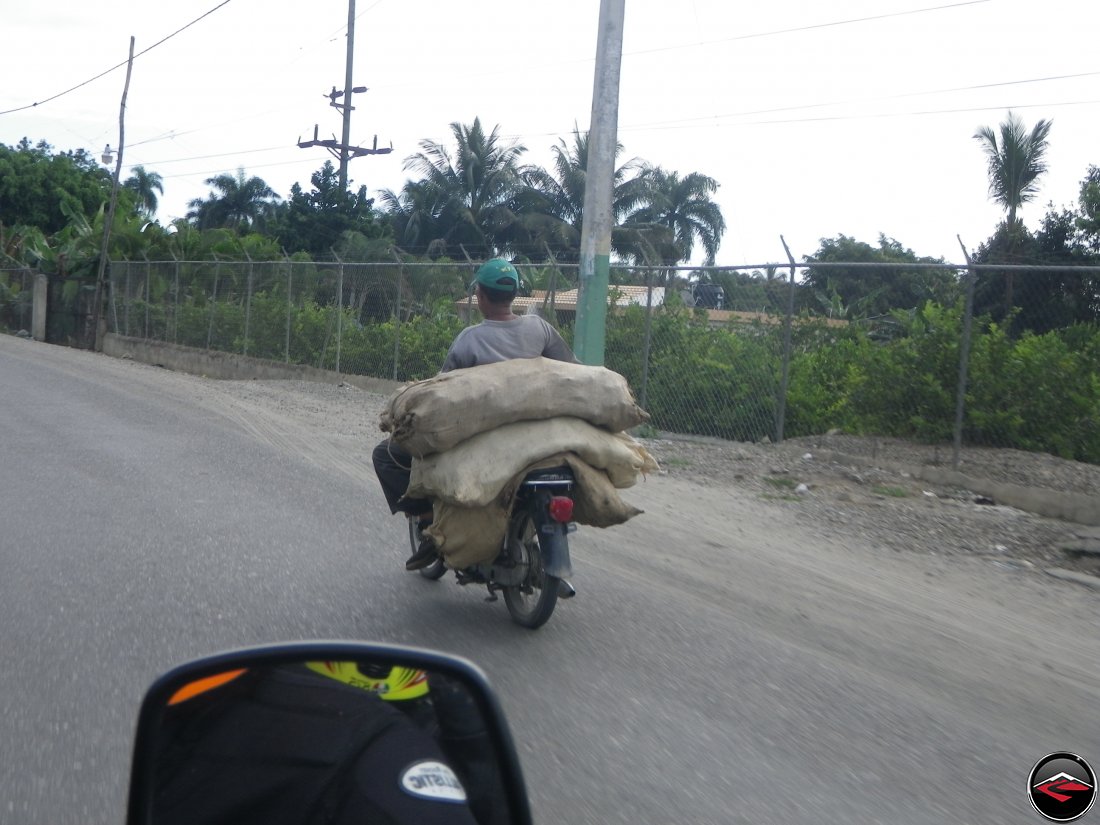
(1046, 300)
(464, 195)
(479, 198)
(684, 207)
(145, 185)
(868, 291)
(40, 189)
(239, 202)
(319, 222)
(1016, 159)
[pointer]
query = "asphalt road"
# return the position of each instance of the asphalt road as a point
(717, 666)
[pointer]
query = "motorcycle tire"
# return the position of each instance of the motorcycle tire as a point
(437, 568)
(532, 603)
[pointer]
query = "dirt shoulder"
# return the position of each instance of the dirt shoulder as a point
(848, 487)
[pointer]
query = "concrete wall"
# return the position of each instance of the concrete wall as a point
(230, 366)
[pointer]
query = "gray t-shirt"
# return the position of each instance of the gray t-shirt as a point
(527, 336)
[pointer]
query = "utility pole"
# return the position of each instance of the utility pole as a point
(343, 150)
(346, 135)
(96, 339)
(595, 264)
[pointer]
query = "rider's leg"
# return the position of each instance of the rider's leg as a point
(392, 465)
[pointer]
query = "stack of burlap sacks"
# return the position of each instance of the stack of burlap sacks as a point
(475, 433)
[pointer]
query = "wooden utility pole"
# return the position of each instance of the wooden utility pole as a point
(97, 303)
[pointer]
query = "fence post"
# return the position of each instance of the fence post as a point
(470, 289)
(126, 311)
(213, 300)
(289, 301)
(339, 305)
(248, 304)
(397, 317)
(552, 286)
(176, 303)
(148, 277)
(112, 284)
(647, 344)
(964, 358)
(781, 410)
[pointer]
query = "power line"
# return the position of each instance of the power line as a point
(217, 155)
(371, 7)
(685, 121)
(875, 116)
(810, 27)
(119, 65)
(695, 123)
(230, 168)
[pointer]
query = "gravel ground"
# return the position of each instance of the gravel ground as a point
(891, 509)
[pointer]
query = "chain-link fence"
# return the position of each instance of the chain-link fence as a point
(741, 355)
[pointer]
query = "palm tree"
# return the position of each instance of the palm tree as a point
(1015, 161)
(471, 187)
(145, 185)
(551, 207)
(413, 214)
(683, 206)
(239, 203)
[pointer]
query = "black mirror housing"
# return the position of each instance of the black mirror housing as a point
(266, 729)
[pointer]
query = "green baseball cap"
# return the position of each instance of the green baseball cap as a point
(498, 274)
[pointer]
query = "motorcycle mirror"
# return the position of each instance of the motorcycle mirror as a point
(334, 732)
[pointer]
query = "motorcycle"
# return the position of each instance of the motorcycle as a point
(533, 566)
(325, 732)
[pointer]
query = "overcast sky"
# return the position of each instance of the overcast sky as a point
(816, 118)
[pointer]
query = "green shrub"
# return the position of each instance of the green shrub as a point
(1035, 393)
(700, 380)
(820, 382)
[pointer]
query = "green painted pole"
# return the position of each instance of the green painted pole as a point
(595, 263)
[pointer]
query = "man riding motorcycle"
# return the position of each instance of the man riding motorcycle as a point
(501, 336)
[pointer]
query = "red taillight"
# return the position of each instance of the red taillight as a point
(561, 509)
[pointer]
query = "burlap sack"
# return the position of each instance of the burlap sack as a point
(467, 536)
(596, 502)
(434, 415)
(476, 472)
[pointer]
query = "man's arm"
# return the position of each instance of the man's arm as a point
(456, 356)
(556, 347)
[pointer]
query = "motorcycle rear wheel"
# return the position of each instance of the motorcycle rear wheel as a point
(531, 603)
(437, 568)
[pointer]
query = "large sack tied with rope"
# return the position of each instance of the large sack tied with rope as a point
(484, 468)
(434, 415)
(467, 536)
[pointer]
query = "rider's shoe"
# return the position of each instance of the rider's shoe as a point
(566, 590)
(424, 555)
